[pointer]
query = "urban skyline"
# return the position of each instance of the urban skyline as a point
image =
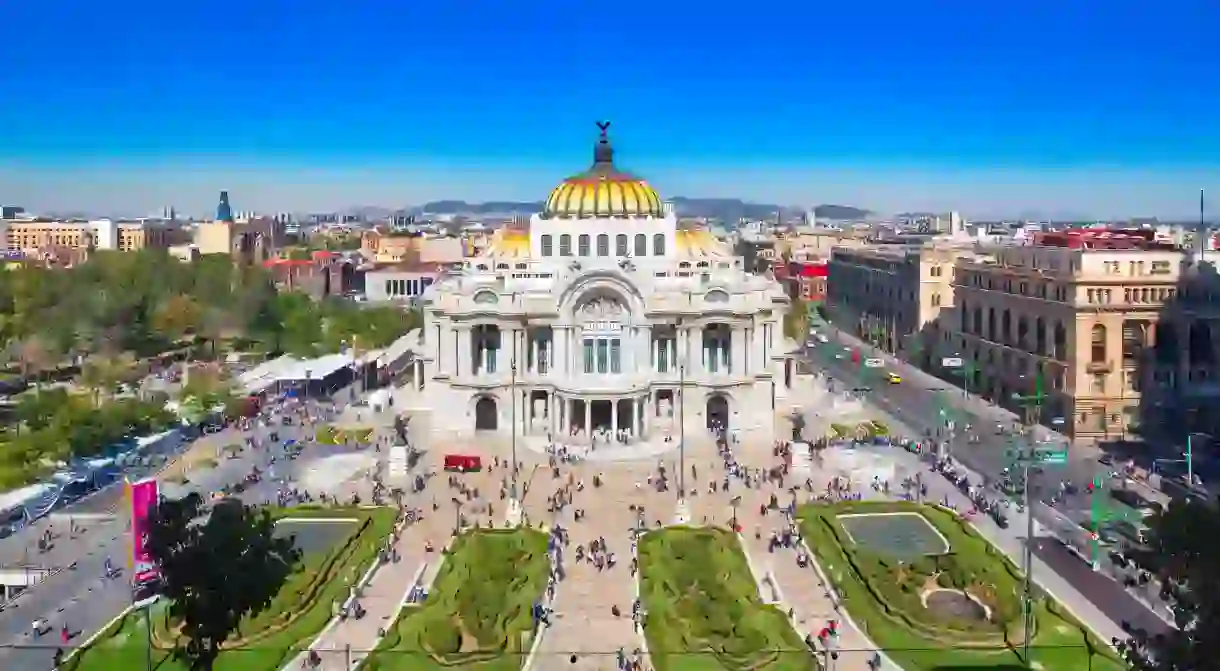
(857, 111)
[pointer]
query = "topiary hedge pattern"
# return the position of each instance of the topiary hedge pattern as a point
(884, 596)
(478, 612)
(700, 600)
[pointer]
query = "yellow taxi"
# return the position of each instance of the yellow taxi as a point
(894, 378)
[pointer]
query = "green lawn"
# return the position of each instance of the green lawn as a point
(477, 615)
(883, 596)
(269, 640)
(703, 612)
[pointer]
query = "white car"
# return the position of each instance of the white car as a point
(823, 339)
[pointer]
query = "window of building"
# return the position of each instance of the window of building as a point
(603, 245)
(1160, 268)
(546, 245)
(936, 271)
(615, 352)
(641, 244)
(620, 245)
(589, 356)
(1099, 384)
(1098, 342)
(565, 245)
(603, 355)
(582, 244)
(935, 300)
(658, 244)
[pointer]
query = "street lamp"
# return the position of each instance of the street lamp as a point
(1190, 459)
(1032, 403)
(512, 385)
(146, 606)
(681, 429)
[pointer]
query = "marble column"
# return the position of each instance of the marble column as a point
(588, 417)
(614, 417)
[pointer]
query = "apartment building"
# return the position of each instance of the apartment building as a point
(251, 241)
(894, 295)
(32, 237)
(384, 247)
(1181, 378)
(1077, 309)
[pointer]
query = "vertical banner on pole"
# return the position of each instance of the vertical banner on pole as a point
(143, 496)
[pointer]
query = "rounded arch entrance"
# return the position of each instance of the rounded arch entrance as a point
(486, 414)
(716, 412)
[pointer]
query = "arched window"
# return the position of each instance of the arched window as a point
(1098, 342)
(603, 245)
(641, 244)
(1006, 327)
(658, 244)
(546, 245)
(620, 245)
(582, 244)
(565, 245)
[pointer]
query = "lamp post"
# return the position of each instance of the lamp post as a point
(512, 385)
(1190, 458)
(681, 429)
(1032, 404)
(146, 606)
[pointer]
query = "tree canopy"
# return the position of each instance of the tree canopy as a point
(54, 426)
(146, 302)
(1184, 546)
(218, 565)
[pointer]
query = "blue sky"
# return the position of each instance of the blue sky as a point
(990, 108)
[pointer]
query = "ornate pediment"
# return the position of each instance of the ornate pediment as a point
(601, 309)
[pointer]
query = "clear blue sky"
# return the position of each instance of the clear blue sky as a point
(1003, 107)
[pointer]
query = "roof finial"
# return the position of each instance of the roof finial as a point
(603, 153)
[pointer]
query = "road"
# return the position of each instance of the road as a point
(81, 598)
(916, 402)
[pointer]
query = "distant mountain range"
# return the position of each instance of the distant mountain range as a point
(728, 210)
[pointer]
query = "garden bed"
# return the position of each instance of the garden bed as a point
(478, 612)
(269, 640)
(957, 608)
(702, 609)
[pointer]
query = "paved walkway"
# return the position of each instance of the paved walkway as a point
(583, 624)
(346, 644)
(802, 590)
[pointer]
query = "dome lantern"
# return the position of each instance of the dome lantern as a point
(603, 191)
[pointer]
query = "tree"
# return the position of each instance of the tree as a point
(218, 566)
(1184, 546)
(796, 321)
(177, 316)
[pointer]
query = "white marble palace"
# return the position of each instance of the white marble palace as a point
(604, 318)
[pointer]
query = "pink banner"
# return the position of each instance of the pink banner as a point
(143, 495)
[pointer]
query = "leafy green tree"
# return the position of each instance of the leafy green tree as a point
(218, 565)
(1185, 546)
(796, 321)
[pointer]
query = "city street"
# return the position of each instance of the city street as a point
(916, 402)
(85, 601)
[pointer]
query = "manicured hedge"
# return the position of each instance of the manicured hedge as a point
(883, 597)
(703, 610)
(300, 610)
(478, 611)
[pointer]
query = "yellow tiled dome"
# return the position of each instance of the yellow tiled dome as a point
(603, 191)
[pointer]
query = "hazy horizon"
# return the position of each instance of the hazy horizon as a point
(1031, 107)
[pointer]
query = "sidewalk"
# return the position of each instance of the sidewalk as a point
(345, 644)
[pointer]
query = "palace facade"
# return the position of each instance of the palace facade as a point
(604, 318)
